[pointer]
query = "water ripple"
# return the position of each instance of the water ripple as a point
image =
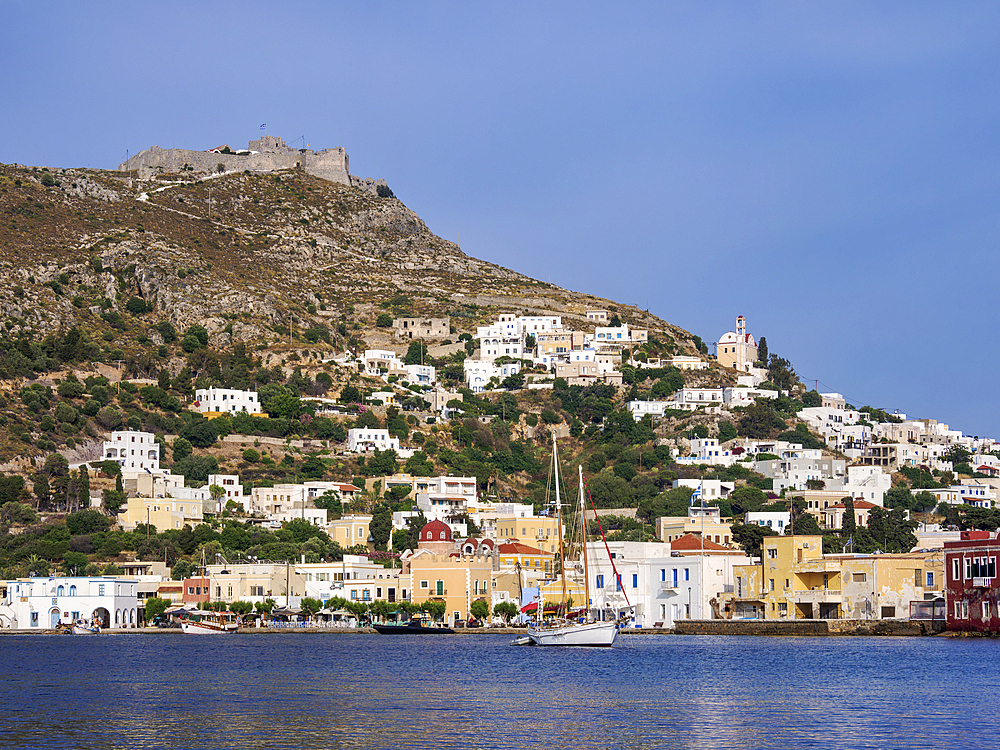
(359, 692)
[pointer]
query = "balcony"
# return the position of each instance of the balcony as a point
(980, 583)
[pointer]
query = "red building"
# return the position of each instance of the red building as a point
(972, 595)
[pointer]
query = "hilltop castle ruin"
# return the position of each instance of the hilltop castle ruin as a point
(268, 154)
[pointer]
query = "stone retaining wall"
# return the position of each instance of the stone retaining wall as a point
(808, 627)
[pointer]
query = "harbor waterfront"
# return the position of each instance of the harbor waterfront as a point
(365, 691)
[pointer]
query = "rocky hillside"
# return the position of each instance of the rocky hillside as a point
(245, 255)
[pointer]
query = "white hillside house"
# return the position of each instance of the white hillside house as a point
(226, 401)
(134, 451)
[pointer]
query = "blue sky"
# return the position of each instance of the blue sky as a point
(828, 170)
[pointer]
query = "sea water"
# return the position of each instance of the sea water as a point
(477, 691)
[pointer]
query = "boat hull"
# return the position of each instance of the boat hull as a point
(208, 628)
(85, 630)
(411, 630)
(600, 634)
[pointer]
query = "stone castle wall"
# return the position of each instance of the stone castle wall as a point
(273, 154)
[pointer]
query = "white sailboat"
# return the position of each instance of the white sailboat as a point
(562, 631)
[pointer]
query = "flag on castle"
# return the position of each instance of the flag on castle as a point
(263, 126)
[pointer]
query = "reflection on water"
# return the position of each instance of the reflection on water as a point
(368, 691)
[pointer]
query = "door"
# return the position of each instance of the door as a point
(54, 618)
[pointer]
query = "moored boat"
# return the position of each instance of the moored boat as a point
(416, 626)
(563, 631)
(199, 622)
(82, 628)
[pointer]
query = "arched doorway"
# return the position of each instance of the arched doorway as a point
(102, 616)
(54, 615)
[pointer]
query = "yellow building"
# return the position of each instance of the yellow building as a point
(705, 522)
(512, 554)
(453, 579)
(797, 581)
(561, 341)
(349, 531)
(163, 513)
(542, 531)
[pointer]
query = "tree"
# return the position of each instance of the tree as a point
(349, 395)
(479, 609)
(182, 448)
(513, 382)
(812, 398)
(727, 431)
(87, 522)
(155, 607)
(416, 353)
(750, 537)
(780, 372)
(762, 352)
(199, 432)
(760, 421)
(384, 320)
(506, 611)
(381, 526)
(746, 499)
(848, 524)
(310, 606)
(435, 609)
(241, 608)
(182, 569)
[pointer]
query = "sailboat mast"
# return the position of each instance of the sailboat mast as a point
(583, 537)
(562, 551)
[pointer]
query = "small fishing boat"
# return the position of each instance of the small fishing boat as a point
(200, 622)
(81, 627)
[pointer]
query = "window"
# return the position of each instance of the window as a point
(958, 610)
(218, 592)
(600, 581)
(772, 552)
(859, 577)
(354, 594)
(60, 591)
(986, 610)
(72, 590)
(965, 610)
(378, 592)
(635, 580)
(366, 595)
(955, 569)
(687, 574)
(968, 567)
(674, 571)
(440, 588)
(256, 591)
(772, 586)
(663, 574)
(930, 579)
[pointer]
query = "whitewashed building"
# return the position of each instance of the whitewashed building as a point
(45, 603)
(226, 401)
(362, 439)
(134, 451)
(661, 583)
(479, 373)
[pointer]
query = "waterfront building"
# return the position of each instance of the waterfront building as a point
(662, 583)
(45, 603)
(795, 581)
(972, 593)
(456, 580)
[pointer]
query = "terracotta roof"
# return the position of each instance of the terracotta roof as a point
(858, 505)
(694, 542)
(516, 548)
